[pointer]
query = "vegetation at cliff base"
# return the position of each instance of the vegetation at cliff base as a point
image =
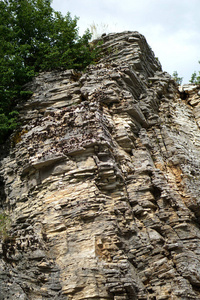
(35, 38)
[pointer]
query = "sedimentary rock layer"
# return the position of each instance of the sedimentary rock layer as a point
(101, 183)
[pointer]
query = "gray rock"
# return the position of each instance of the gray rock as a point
(102, 187)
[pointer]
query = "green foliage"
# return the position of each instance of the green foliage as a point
(177, 78)
(195, 79)
(7, 123)
(35, 38)
(4, 225)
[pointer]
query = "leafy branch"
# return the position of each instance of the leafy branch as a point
(35, 38)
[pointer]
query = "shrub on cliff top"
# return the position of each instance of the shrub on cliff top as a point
(35, 38)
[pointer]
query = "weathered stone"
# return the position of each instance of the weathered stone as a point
(102, 183)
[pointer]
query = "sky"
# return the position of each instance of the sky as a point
(171, 27)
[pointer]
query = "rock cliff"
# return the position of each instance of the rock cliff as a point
(101, 183)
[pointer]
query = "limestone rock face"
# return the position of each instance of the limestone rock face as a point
(101, 183)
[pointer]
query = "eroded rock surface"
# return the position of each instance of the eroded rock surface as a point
(102, 184)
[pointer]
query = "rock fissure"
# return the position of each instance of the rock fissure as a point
(102, 183)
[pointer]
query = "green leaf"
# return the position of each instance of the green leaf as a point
(35, 38)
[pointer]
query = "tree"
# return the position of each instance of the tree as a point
(177, 78)
(35, 38)
(195, 79)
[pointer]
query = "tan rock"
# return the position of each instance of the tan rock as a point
(103, 187)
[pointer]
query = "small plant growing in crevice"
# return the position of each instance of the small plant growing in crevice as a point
(17, 137)
(5, 224)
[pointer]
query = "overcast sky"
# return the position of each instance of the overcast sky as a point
(171, 27)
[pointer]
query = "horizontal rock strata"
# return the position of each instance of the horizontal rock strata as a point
(101, 183)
